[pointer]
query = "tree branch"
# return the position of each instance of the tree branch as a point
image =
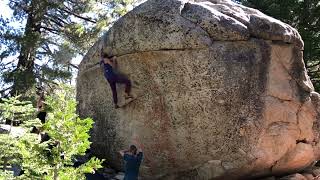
(318, 63)
(313, 72)
(47, 48)
(56, 20)
(73, 65)
(77, 15)
(4, 90)
(50, 30)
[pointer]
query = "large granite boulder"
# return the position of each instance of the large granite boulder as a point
(222, 92)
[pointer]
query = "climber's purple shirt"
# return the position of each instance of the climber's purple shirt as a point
(132, 164)
(108, 70)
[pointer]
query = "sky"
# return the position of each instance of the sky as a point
(5, 11)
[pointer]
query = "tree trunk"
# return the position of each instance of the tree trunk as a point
(23, 75)
(5, 161)
(55, 173)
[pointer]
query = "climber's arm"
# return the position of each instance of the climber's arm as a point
(115, 63)
(138, 144)
(122, 152)
(101, 62)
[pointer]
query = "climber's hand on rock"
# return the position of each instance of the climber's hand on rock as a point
(114, 60)
(136, 142)
(122, 152)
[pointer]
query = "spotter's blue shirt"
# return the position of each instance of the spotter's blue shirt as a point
(108, 70)
(132, 165)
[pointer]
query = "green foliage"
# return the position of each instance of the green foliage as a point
(12, 108)
(9, 154)
(34, 160)
(52, 159)
(304, 15)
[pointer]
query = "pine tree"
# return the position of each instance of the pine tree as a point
(54, 33)
(54, 158)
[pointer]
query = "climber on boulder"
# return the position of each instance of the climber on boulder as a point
(109, 63)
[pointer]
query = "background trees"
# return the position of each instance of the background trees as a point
(49, 34)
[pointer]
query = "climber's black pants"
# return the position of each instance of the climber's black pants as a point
(42, 116)
(120, 80)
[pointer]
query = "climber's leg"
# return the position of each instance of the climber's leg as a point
(123, 80)
(114, 93)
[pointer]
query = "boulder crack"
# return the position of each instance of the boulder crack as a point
(195, 24)
(298, 122)
(280, 99)
(298, 81)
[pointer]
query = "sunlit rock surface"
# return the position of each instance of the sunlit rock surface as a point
(222, 92)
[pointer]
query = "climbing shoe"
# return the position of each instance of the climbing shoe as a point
(128, 96)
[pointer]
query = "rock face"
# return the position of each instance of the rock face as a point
(222, 92)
